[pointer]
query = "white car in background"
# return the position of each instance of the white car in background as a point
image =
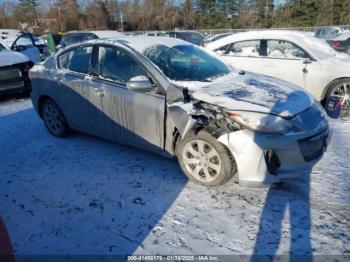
(292, 56)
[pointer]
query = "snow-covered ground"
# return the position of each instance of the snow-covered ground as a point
(84, 195)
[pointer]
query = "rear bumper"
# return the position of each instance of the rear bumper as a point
(265, 159)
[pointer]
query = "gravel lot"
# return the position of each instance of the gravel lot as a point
(84, 195)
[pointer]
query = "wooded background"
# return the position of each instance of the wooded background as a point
(137, 15)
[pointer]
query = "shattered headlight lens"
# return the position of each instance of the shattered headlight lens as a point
(260, 122)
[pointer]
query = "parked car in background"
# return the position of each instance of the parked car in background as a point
(341, 43)
(14, 68)
(25, 43)
(82, 36)
(215, 37)
(189, 36)
(155, 33)
(171, 97)
(328, 33)
(292, 56)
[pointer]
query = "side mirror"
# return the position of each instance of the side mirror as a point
(139, 84)
(307, 61)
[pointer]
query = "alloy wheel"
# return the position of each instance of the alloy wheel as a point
(53, 119)
(202, 160)
(342, 91)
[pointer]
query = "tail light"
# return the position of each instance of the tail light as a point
(335, 43)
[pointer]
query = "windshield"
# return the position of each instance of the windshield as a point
(186, 63)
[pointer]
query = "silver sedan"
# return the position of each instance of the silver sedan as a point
(171, 97)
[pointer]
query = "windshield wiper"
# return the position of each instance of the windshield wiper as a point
(199, 80)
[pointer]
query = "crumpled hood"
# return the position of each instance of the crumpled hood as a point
(8, 58)
(252, 92)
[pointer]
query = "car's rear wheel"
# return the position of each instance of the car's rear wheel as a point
(341, 89)
(54, 119)
(204, 160)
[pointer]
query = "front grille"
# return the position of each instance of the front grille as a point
(10, 73)
(13, 77)
(313, 147)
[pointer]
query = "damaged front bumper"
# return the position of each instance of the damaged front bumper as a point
(263, 159)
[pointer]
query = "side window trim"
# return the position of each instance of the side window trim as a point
(228, 47)
(94, 68)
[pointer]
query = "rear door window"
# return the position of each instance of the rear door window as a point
(245, 48)
(77, 60)
(284, 50)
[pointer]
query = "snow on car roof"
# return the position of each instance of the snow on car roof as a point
(141, 43)
(106, 33)
(251, 35)
(9, 57)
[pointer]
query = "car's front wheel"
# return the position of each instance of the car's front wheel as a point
(204, 160)
(54, 119)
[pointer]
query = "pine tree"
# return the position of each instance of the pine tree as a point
(305, 12)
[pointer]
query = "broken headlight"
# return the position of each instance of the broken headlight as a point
(263, 123)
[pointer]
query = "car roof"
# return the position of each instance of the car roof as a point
(287, 35)
(99, 34)
(107, 33)
(140, 43)
(184, 31)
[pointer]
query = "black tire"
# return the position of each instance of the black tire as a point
(54, 119)
(345, 111)
(228, 164)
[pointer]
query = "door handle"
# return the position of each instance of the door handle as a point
(88, 77)
(100, 91)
